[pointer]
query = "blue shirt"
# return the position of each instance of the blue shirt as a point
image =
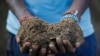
(50, 11)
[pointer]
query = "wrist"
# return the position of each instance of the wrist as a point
(72, 16)
(75, 12)
(22, 19)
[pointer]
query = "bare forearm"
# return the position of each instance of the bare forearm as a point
(79, 5)
(18, 8)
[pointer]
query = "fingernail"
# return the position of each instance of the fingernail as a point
(65, 41)
(77, 44)
(58, 38)
(30, 50)
(18, 40)
(34, 46)
(51, 45)
(27, 44)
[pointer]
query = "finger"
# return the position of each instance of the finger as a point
(34, 50)
(79, 43)
(68, 46)
(25, 47)
(18, 40)
(43, 52)
(60, 45)
(53, 47)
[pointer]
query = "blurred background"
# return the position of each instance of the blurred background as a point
(3, 33)
(95, 12)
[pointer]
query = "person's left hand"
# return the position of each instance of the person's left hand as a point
(63, 46)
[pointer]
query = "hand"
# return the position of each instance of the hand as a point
(70, 38)
(25, 18)
(59, 46)
(39, 51)
(33, 50)
(63, 46)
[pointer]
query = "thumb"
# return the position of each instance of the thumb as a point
(79, 43)
(18, 40)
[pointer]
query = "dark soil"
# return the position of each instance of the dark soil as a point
(39, 32)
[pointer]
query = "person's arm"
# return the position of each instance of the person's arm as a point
(20, 11)
(18, 8)
(79, 5)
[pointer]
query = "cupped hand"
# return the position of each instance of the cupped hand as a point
(63, 46)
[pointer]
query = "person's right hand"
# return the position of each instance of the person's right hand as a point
(27, 47)
(32, 50)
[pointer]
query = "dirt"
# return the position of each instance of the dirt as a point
(41, 33)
